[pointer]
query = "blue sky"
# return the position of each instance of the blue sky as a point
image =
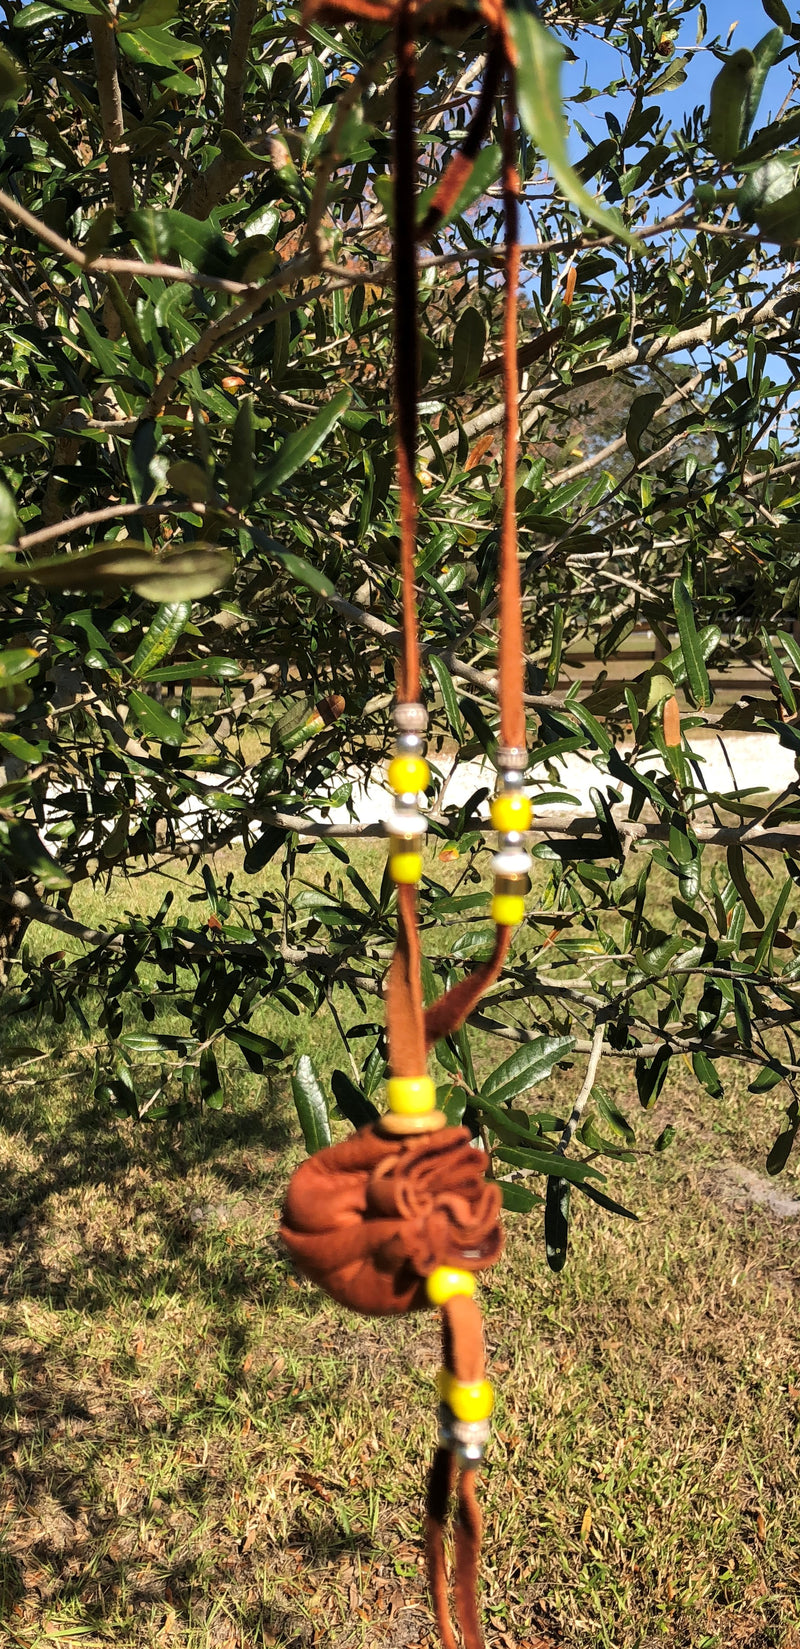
(601, 64)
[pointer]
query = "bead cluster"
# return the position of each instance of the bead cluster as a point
(511, 815)
(464, 1409)
(409, 776)
(411, 1099)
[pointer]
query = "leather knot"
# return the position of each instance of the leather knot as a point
(370, 1219)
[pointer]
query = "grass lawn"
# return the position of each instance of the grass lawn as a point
(198, 1449)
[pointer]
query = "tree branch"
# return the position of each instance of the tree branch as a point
(104, 43)
(210, 187)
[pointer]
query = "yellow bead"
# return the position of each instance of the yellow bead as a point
(508, 909)
(445, 1282)
(408, 775)
(466, 1402)
(411, 1096)
(405, 867)
(511, 811)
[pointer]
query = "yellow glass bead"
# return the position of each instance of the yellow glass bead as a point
(408, 775)
(511, 811)
(508, 909)
(466, 1402)
(405, 867)
(445, 1282)
(411, 1096)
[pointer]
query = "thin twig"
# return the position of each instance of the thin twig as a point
(595, 1055)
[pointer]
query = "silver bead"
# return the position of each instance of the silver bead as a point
(510, 841)
(410, 718)
(409, 744)
(512, 758)
(407, 802)
(510, 778)
(466, 1439)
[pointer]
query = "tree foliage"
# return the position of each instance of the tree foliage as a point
(199, 598)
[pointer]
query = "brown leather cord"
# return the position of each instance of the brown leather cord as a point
(511, 663)
(441, 1483)
(405, 1022)
(459, 169)
(370, 1219)
(406, 347)
(463, 1356)
(468, 1533)
(445, 1015)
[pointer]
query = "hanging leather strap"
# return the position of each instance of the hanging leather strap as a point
(458, 171)
(463, 1356)
(449, 1012)
(404, 1009)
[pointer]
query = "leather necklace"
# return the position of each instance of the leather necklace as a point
(401, 1217)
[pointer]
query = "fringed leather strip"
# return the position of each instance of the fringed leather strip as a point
(511, 658)
(444, 1016)
(463, 1356)
(458, 171)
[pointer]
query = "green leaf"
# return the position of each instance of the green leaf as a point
(310, 1105)
(469, 343)
(768, 1077)
(34, 18)
(763, 956)
(777, 13)
(556, 1223)
(706, 1072)
(765, 187)
(170, 235)
(156, 48)
(159, 640)
(556, 642)
(738, 874)
(301, 446)
(184, 575)
(12, 79)
(9, 524)
(728, 104)
(640, 417)
(781, 222)
(154, 720)
(613, 1116)
(650, 1077)
(19, 747)
(781, 678)
(449, 695)
(21, 842)
(538, 75)
(765, 55)
(257, 1050)
(603, 1201)
(517, 1198)
(547, 1162)
(531, 1063)
(240, 470)
(214, 669)
(352, 1101)
(147, 15)
(211, 1089)
(696, 673)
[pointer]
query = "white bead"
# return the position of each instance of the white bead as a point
(513, 862)
(405, 824)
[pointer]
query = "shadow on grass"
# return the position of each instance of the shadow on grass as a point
(61, 1144)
